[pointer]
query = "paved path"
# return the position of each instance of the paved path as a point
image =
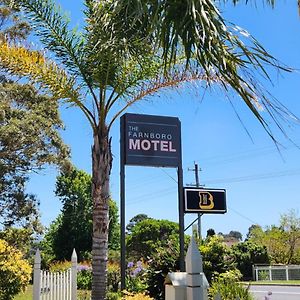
(260, 292)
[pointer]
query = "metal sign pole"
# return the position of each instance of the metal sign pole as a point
(122, 211)
(181, 218)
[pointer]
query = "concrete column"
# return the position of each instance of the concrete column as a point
(194, 269)
(37, 276)
(74, 276)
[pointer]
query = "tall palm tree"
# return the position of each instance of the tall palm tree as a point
(128, 50)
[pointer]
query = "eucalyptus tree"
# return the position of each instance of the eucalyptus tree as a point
(29, 138)
(128, 50)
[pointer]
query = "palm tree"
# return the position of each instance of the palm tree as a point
(128, 50)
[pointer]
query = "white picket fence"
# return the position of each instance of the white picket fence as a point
(54, 285)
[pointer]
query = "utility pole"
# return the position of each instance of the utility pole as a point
(197, 170)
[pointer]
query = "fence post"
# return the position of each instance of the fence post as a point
(37, 276)
(287, 272)
(194, 268)
(74, 276)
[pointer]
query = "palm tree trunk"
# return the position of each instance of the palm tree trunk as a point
(102, 163)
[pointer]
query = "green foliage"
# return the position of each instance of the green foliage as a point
(12, 26)
(217, 257)
(149, 235)
(228, 287)
(164, 260)
(113, 276)
(73, 228)
(247, 254)
(84, 277)
(15, 272)
(29, 138)
(135, 277)
(136, 219)
(19, 238)
(60, 266)
(282, 242)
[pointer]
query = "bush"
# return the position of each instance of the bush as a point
(228, 287)
(135, 277)
(84, 277)
(15, 272)
(84, 273)
(164, 261)
(60, 266)
(138, 296)
(113, 276)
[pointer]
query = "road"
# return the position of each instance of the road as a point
(260, 292)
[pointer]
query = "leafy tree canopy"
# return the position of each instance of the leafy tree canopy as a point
(73, 227)
(136, 219)
(247, 254)
(283, 241)
(29, 134)
(148, 235)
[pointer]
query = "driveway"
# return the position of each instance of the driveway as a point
(279, 292)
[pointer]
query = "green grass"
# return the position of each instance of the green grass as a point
(27, 295)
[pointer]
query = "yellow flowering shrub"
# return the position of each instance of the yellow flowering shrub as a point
(139, 296)
(15, 272)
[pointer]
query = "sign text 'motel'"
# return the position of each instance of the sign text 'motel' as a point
(151, 140)
(199, 200)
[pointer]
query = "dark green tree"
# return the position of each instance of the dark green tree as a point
(29, 138)
(217, 257)
(210, 232)
(133, 221)
(73, 227)
(247, 254)
(148, 235)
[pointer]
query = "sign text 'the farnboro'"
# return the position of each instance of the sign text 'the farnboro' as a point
(149, 141)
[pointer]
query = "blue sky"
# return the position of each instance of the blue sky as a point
(261, 183)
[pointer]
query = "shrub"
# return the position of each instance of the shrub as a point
(84, 273)
(138, 296)
(164, 261)
(84, 277)
(135, 277)
(228, 287)
(60, 266)
(15, 272)
(113, 276)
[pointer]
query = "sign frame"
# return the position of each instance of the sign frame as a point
(153, 141)
(210, 191)
(163, 161)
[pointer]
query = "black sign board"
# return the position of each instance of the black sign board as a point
(150, 140)
(199, 200)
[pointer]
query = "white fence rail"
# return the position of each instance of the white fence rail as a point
(54, 285)
(288, 272)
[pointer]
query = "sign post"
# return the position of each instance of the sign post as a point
(150, 141)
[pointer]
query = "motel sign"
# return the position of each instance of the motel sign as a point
(150, 140)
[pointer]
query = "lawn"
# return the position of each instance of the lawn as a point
(27, 295)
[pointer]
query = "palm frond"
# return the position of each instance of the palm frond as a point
(33, 65)
(53, 29)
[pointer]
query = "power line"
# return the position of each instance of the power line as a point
(256, 177)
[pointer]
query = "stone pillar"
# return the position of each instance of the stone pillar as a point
(74, 276)
(194, 269)
(37, 276)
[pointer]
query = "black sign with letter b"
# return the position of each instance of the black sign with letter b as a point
(199, 200)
